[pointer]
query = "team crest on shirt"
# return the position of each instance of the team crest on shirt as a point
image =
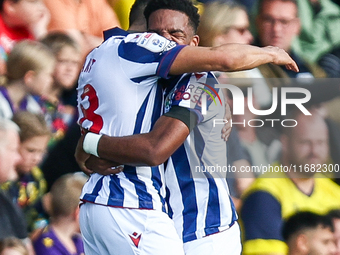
(155, 43)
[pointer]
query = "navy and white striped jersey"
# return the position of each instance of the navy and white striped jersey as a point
(118, 95)
(195, 176)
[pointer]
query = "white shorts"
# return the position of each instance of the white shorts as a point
(110, 231)
(227, 242)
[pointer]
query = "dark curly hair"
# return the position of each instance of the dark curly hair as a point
(185, 6)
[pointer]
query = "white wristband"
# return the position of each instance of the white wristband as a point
(90, 144)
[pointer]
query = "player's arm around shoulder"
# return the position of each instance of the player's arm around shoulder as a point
(148, 149)
(229, 57)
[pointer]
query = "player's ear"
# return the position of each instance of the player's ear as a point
(194, 40)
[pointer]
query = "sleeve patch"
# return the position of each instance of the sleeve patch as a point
(155, 43)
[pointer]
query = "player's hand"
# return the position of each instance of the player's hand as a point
(90, 164)
(226, 130)
(102, 166)
(81, 156)
(281, 57)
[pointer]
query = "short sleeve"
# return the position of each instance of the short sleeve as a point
(197, 93)
(154, 53)
(183, 114)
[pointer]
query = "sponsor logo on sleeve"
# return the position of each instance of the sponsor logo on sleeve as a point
(155, 43)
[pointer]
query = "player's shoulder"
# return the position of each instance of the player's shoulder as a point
(150, 41)
(137, 43)
(198, 79)
(113, 32)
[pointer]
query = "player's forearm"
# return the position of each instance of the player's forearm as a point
(145, 149)
(138, 150)
(129, 150)
(229, 57)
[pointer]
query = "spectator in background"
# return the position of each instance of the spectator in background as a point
(20, 19)
(122, 9)
(320, 22)
(237, 157)
(330, 62)
(9, 145)
(277, 24)
(279, 194)
(223, 23)
(29, 72)
(84, 20)
(12, 220)
(307, 233)
(12, 246)
(60, 158)
(277, 28)
(335, 216)
(262, 144)
(28, 190)
(136, 19)
(216, 29)
(58, 114)
(62, 235)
